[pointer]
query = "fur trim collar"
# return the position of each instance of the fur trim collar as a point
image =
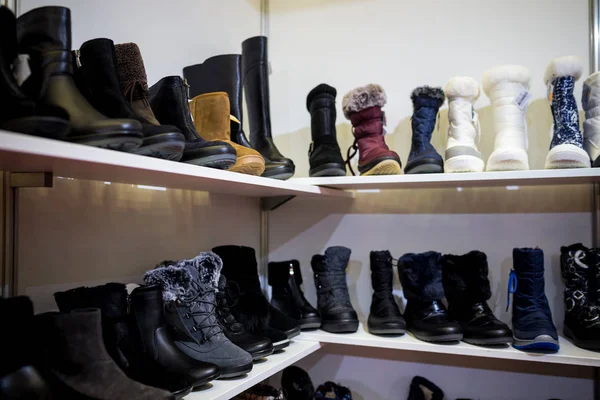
(563, 66)
(593, 80)
(462, 86)
(209, 267)
(362, 98)
(176, 281)
(130, 65)
(505, 73)
(428, 91)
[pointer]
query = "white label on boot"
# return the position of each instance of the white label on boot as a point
(21, 70)
(522, 99)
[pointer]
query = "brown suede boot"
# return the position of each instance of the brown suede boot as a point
(210, 112)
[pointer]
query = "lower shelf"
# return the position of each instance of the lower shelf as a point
(228, 388)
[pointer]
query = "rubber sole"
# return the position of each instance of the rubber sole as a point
(180, 394)
(425, 169)
(257, 355)
(291, 333)
(121, 141)
(232, 372)
(490, 341)
(280, 172)
(220, 161)
(451, 337)
(282, 344)
(249, 165)
(206, 380)
(508, 160)
(463, 164)
(46, 127)
(544, 343)
(329, 169)
(584, 344)
(387, 331)
(310, 323)
(341, 326)
(567, 156)
(385, 167)
(167, 146)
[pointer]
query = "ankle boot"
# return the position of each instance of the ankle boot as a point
(462, 154)
(45, 35)
(424, 389)
(261, 391)
(189, 292)
(507, 86)
(385, 317)
(467, 290)
(210, 113)
(96, 77)
(566, 148)
(258, 346)
(150, 327)
(422, 157)
(297, 384)
(425, 314)
(533, 328)
(170, 104)
(252, 309)
(255, 70)
(362, 106)
(324, 154)
(285, 278)
(19, 113)
(333, 300)
(77, 364)
(331, 390)
(581, 273)
(590, 101)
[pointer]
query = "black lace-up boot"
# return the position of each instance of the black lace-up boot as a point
(385, 317)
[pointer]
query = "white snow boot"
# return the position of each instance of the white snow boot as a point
(590, 100)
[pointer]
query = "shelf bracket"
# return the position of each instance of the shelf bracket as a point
(273, 203)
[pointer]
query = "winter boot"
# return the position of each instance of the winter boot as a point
(210, 113)
(258, 346)
(566, 148)
(77, 364)
(581, 273)
(151, 331)
(333, 391)
(590, 100)
(189, 289)
(96, 77)
(425, 314)
(462, 154)
(424, 389)
(255, 77)
(333, 300)
(44, 34)
(285, 278)
(252, 309)
(422, 157)
(170, 104)
(324, 154)
(385, 317)
(261, 391)
(467, 290)
(297, 385)
(362, 106)
(533, 328)
(507, 86)
(19, 113)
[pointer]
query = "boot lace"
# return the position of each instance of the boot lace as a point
(208, 330)
(536, 307)
(350, 157)
(232, 291)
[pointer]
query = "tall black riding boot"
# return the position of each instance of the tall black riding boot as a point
(467, 289)
(255, 77)
(385, 317)
(45, 35)
(285, 278)
(425, 314)
(324, 154)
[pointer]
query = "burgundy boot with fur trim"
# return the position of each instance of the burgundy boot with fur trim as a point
(362, 106)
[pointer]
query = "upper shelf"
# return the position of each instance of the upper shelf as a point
(24, 153)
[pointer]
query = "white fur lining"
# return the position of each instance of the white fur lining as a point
(462, 86)
(505, 73)
(563, 66)
(593, 80)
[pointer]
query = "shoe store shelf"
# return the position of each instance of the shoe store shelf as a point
(228, 388)
(24, 153)
(455, 180)
(568, 354)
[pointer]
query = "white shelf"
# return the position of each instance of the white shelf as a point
(226, 389)
(24, 153)
(568, 353)
(468, 179)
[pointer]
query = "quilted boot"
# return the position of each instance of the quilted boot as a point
(261, 391)
(170, 104)
(362, 106)
(422, 157)
(385, 317)
(296, 384)
(581, 274)
(462, 154)
(324, 154)
(424, 389)
(467, 290)
(285, 278)
(333, 300)
(425, 314)
(533, 328)
(507, 86)
(590, 100)
(566, 148)
(44, 34)
(189, 292)
(331, 390)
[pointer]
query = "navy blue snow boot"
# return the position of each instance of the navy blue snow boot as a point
(533, 328)
(423, 158)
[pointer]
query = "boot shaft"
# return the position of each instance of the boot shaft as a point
(320, 103)
(465, 279)
(426, 104)
(210, 113)
(330, 278)
(147, 307)
(240, 266)
(421, 276)
(462, 92)
(255, 78)
(528, 264)
(382, 272)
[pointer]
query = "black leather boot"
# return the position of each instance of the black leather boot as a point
(385, 317)
(425, 314)
(255, 77)
(19, 113)
(467, 290)
(424, 389)
(169, 101)
(96, 77)
(148, 322)
(45, 35)
(324, 154)
(285, 278)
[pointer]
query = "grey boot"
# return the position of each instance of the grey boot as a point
(189, 290)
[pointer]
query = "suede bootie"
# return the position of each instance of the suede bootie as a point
(385, 317)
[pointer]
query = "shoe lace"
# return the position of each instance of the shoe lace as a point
(512, 286)
(535, 302)
(208, 330)
(232, 291)
(349, 157)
